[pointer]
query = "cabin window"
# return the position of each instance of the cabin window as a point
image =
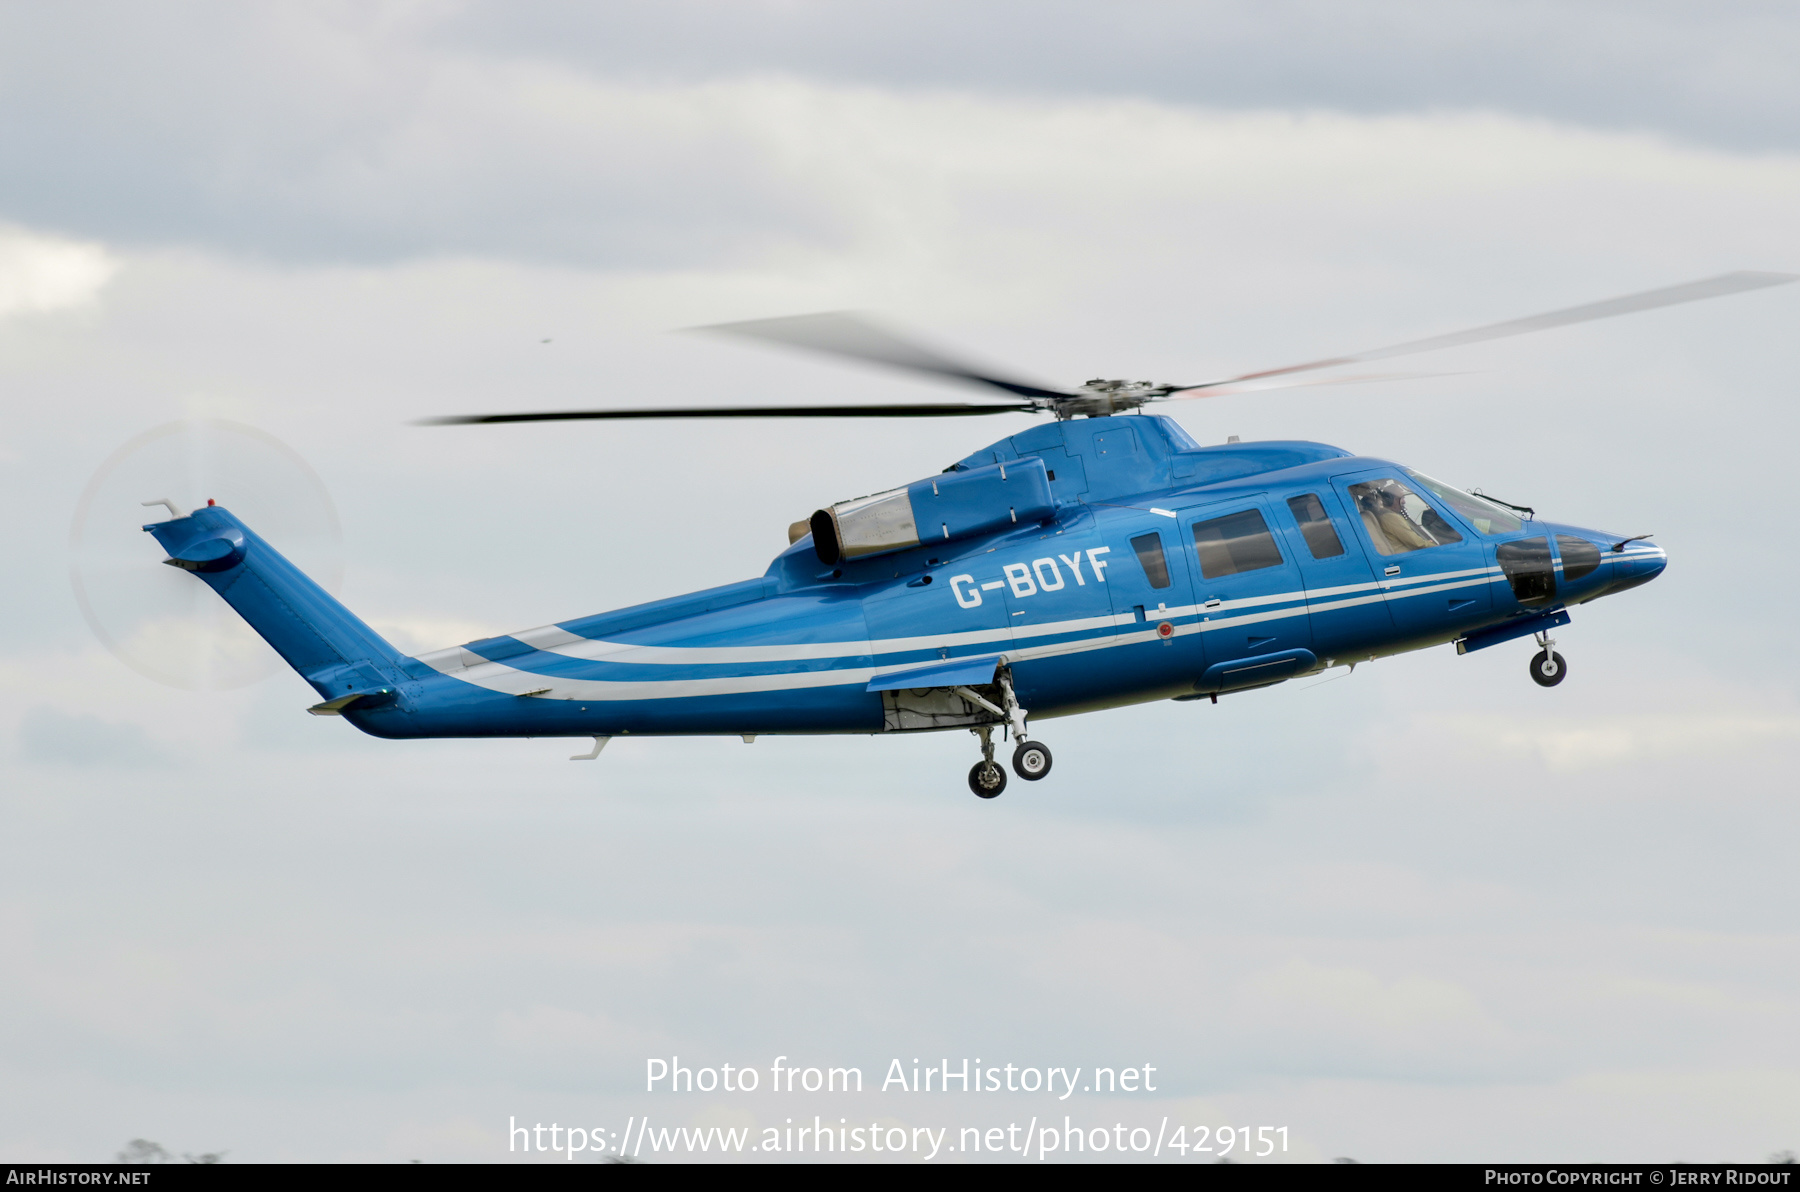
(1315, 526)
(1481, 513)
(1150, 555)
(1233, 543)
(1580, 558)
(1398, 519)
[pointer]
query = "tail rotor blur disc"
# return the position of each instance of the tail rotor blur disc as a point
(161, 621)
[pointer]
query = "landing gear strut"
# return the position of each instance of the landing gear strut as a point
(987, 779)
(1547, 666)
(1030, 761)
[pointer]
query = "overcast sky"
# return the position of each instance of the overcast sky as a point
(1433, 913)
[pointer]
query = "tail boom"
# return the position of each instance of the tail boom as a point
(347, 663)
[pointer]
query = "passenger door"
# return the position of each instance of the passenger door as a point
(1250, 595)
(1345, 604)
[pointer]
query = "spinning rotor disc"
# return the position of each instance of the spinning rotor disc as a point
(159, 620)
(852, 337)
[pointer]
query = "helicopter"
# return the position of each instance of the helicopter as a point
(1098, 559)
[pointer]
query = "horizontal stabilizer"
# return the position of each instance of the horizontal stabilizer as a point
(367, 699)
(217, 553)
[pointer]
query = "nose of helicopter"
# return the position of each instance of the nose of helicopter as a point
(1594, 563)
(1635, 563)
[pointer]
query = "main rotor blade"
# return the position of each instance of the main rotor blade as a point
(1266, 383)
(918, 410)
(1693, 291)
(839, 333)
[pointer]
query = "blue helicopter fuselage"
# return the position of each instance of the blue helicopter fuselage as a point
(1146, 568)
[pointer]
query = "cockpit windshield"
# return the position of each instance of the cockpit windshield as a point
(1484, 515)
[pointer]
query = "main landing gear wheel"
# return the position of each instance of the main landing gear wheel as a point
(1548, 668)
(1031, 760)
(987, 779)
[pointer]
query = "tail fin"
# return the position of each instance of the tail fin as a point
(344, 660)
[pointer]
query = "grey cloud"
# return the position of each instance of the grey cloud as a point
(278, 135)
(373, 134)
(1718, 74)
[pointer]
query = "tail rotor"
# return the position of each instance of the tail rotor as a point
(155, 619)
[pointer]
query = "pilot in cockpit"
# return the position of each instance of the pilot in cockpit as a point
(1400, 529)
(1384, 516)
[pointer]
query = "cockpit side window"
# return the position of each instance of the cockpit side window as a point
(1315, 526)
(1150, 555)
(1398, 519)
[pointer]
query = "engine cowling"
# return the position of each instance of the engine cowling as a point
(944, 508)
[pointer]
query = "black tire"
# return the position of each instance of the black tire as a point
(1031, 760)
(1548, 668)
(987, 779)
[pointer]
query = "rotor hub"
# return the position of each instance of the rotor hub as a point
(1101, 397)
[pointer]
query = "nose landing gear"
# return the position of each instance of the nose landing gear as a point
(1547, 666)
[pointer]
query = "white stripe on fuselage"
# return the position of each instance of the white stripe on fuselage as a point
(498, 676)
(552, 639)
